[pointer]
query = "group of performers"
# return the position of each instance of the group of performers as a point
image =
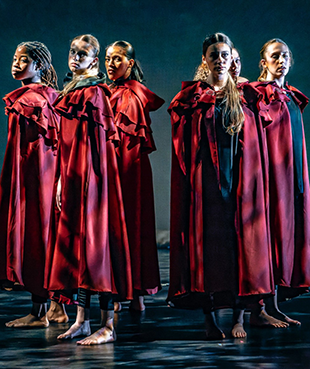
(76, 193)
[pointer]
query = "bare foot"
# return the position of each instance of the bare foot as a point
(265, 320)
(103, 335)
(117, 307)
(291, 321)
(57, 313)
(29, 321)
(137, 304)
(213, 332)
(76, 330)
(238, 331)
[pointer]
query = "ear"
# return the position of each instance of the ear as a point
(93, 63)
(203, 59)
(263, 63)
(131, 63)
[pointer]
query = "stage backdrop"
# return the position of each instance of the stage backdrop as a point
(167, 36)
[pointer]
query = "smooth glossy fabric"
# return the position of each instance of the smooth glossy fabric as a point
(26, 185)
(91, 247)
(289, 209)
(131, 103)
(217, 248)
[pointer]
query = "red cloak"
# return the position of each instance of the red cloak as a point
(131, 103)
(26, 185)
(202, 241)
(91, 249)
(289, 216)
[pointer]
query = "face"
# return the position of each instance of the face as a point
(117, 64)
(24, 68)
(218, 58)
(81, 57)
(235, 67)
(277, 61)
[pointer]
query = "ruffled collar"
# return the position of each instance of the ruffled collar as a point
(90, 81)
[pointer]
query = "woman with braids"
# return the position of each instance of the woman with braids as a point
(219, 246)
(131, 102)
(289, 178)
(27, 179)
(90, 252)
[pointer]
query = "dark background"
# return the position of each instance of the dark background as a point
(167, 37)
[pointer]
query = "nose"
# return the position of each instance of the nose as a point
(281, 59)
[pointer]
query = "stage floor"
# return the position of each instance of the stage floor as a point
(160, 338)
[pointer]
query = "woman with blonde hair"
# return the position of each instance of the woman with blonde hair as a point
(90, 251)
(219, 247)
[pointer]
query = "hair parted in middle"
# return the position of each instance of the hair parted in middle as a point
(231, 100)
(136, 70)
(94, 71)
(262, 54)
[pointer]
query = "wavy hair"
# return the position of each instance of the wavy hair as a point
(231, 100)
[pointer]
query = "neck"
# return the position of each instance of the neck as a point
(279, 81)
(217, 83)
(28, 81)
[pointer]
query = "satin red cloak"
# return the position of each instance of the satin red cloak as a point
(290, 224)
(189, 243)
(26, 185)
(91, 249)
(131, 103)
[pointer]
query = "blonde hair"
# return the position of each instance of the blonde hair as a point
(263, 74)
(231, 100)
(92, 72)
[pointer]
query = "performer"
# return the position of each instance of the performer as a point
(131, 102)
(219, 247)
(27, 179)
(289, 178)
(235, 67)
(91, 251)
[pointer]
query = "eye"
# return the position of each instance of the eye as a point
(24, 59)
(72, 52)
(225, 55)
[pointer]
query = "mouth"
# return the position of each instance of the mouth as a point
(15, 71)
(111, 71)
(74, 65)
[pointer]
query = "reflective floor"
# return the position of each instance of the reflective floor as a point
(161, 338)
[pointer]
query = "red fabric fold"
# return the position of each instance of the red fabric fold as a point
(289, 216)
(89, 249)
(131, 103)
(192, 221)
(26, 185)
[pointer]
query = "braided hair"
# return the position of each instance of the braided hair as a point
(41, 55)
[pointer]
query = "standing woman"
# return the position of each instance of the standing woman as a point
(90, 252)
(219, 247)
(289, 178)
(131, 102)
(235, 67)
(27, 178)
